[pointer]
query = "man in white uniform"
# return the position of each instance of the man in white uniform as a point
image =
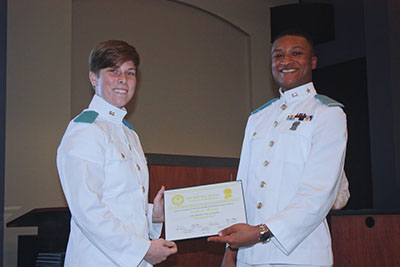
(104, 175)
(291, 166)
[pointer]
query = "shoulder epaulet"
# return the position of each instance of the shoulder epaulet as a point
(264, 106)
(328, 101)
(128, 125)
(88, 116)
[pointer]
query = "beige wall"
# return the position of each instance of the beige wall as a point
(38, 105)
(205, 66)
(193, 97)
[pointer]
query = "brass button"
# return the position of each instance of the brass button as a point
(138, 167)
(308, 90)
(266, 163)
(112, 113)
(271, 143)
(262, 184)
(276, 123)
(122, 155)
(283, 107)
(259, 205)
(143, 189)
(254, 134)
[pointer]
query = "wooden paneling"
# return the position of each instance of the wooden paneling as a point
(178, 177)
(357, 244)
(194, 252)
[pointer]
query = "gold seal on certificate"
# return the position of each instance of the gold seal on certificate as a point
(203, 210)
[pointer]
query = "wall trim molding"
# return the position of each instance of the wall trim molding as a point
(191, 161)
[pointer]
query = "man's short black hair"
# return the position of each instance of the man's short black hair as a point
(296, 32)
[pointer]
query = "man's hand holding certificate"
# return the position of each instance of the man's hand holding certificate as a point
(203, 210)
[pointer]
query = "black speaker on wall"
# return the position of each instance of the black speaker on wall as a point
(315, 19)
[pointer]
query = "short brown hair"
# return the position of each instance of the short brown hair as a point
(111, 53)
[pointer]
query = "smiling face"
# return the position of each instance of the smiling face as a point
(116, 84)
(292, 61)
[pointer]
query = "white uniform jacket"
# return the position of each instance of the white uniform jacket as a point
(291, 164)
(104, 176)
(343, 195)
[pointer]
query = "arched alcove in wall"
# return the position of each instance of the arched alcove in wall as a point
(193, 95)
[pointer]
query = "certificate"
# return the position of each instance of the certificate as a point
(203, 210)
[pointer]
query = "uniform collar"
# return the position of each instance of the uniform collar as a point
(106, 110)
(298, 93)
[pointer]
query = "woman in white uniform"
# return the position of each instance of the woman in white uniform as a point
(104, 175)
